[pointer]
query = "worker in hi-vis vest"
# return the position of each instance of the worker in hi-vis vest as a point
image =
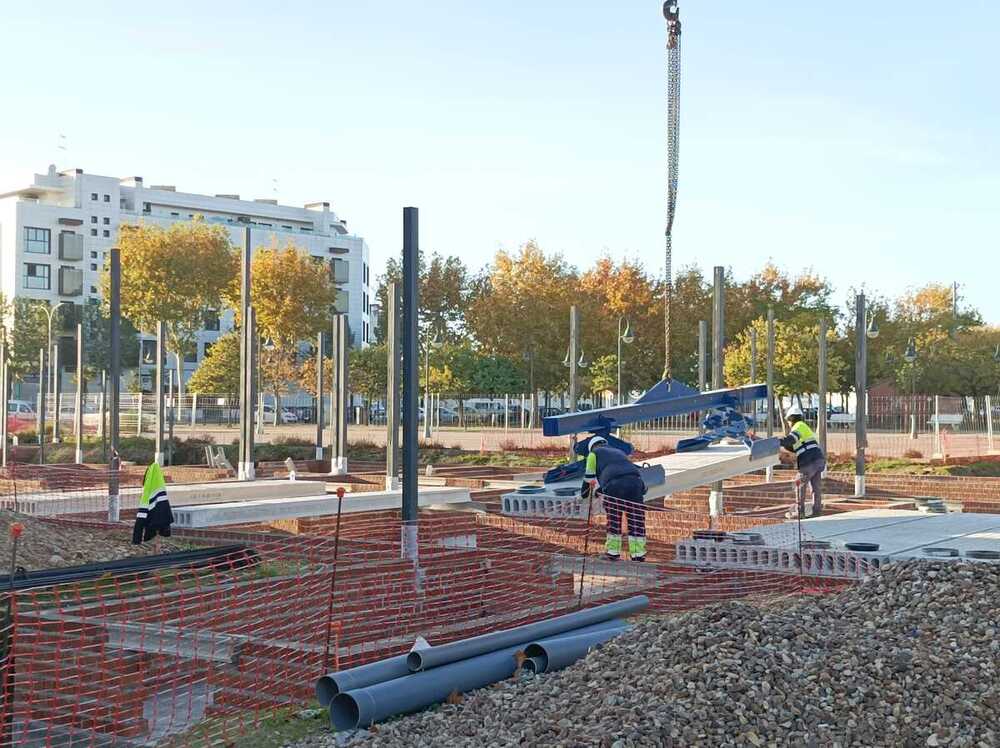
(809, 459)
(610, 472)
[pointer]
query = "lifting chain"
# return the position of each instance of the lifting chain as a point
(671, 12)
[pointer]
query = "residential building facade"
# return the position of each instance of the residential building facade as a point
(55, 234)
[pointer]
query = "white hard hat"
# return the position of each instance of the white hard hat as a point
(794, 410)
(594, 441)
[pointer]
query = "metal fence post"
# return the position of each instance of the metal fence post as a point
(411, 387)
(769, 473)
(320, 340)
(194, 408)
(938, 451)
(42, 394)
(821, 408)
(393, 381)
(716, 498)
(115, 377)
(989, 423)
(161, 341)
(79, 393)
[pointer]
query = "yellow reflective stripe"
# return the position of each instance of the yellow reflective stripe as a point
(591, 468)
(636, 546)
(613, 544)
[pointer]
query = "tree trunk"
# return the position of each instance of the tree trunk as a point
(179, 392)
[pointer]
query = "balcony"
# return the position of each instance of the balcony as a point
(70, 282)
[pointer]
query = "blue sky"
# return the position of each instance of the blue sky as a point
(860, 140)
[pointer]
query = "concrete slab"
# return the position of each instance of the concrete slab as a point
(251, 512)
(55, 503)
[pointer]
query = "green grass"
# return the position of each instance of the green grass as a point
(899, 466)
(286, 726)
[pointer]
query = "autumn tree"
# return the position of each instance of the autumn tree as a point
(369, 372)
(292, 294)
(443, 285)
(219, 370)
(521, 304)
(175, 275)
(796, 358)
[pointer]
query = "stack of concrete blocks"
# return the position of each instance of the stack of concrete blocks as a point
(814, 561)
(548, 504)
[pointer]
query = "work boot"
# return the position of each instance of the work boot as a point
(639, 559)
(612, 557)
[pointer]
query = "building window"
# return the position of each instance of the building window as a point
(37, 241)
(93, 232)
(107, 221)
(208, 347)
(93, 255)
(107, 198)
(93, 289)
(175, 215)
(146, 208)
(212, 320)
(106, 233)
(191, 357)
(93, 266)
(342, 302)
(93, 219)
(36, 276)
(93, 196)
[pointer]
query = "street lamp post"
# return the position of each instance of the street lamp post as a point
(624, 336)
(529, 356)
(865, 327)
(50, 312)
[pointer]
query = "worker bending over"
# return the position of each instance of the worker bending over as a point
(610, 472)
(810, 461)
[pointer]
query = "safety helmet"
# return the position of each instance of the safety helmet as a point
(595, 441)
(794, 410)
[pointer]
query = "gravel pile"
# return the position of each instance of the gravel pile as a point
(909, 658)
(45, 545)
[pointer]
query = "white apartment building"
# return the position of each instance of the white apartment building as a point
(54, 234)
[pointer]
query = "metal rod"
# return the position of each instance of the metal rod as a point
(821, 408)
(115, 360)
(335, 397)
(393, 383)
(343, 391)
(161, 342)
(79, 393)
(703, 354)
(716, 500)
(5, 389)
(574, 333)
(251, 394)
(320, 341)
(411, 382)
(42, 395)
(56, 392)
(769, 473)
(245, 343)
(860, 388)
(753, 355)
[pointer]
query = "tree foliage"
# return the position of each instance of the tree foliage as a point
(219, 370)
(443, 286)
(174, 275)
(369, 372)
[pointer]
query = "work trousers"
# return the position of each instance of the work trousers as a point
(811, 475)
(624, 496)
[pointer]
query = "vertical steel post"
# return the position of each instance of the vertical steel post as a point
(574, 336)
(716, 499)
(821, 407)
(753, 355)
(860, 389)
(172, 393)
(769, 473)
(938, 448)
(42, 396)
(702, 355)
(55, 365)
(989, 424)
(334, 397)
(251, 393)
(161, 342)
(320, 341)
(5, 389)
(427, 389)
(103, 406)
(393, 383)
(114, 355)
(411, 382)
(343, 391)
(245, 355)
(79, 393)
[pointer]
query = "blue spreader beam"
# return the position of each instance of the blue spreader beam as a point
(663, 400)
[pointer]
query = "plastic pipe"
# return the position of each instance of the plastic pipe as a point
(411, 693)
(333, 684)
(548, 655)
(436, 656)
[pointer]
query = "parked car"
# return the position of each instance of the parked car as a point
(287, 416)
(20, 416)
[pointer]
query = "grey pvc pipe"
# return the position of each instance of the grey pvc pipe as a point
(432, 657)
(358, 677)
(548, 655)
(365, 706)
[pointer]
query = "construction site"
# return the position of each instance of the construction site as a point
(334, 601)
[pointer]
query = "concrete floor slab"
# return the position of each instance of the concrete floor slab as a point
(252, 512)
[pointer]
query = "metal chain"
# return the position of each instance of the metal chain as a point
(672, 14)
